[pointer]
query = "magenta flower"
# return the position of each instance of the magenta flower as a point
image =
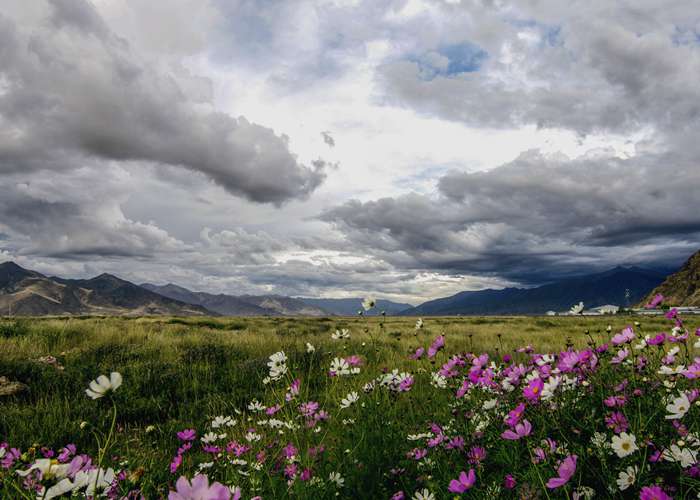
(566, 470)
(354, 360)
(187, 435)
(406, 384)
(617, 422)
(533, 390)
(199, 489)
(437, 344)
(463, 483)
(65, 453)
(655, 301)
(509, 482)
(515, 415)
(653, 493)
(456, 443)
(476, 455)
(626, 335)
(620, 356)
(399, 495)
(657, 340)
(522, 430)
(417, 355)
(175, 464)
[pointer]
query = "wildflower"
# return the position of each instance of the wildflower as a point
(521, 430)
(627, 477)
(655, 301)
(436, 346)
(653, 493)
(278, 365)
(509, 482)
(514, 415)
(368, 303)
(103, 385)
(256, 406)
(464, 482)
(577, 308)
(624, 444)
(419, 323)
(310, 348)
(627, 335)
(685, 456)
(399, 495)
(678, 407)
(199, 489)
(533, 390)
(340, 367)
(620, 356)
(222, 421)
(617, 422)
(424, 494)
(341, 334)
(476, 455)
(349, 400)
(565, 471)
(437, 380)
(335, 477)
(418, 354)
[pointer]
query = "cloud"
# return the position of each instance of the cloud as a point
(74, 92)
(536, 217)
(328, 138)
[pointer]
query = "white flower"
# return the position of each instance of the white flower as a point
(252, 436)
(349, 400)
(310, 348)
(94, 479)
(685, 456)
(424, 494)
(102, 385)
(577, 309)
(627, 477)
(584, 492)
(419, 323)
(256, 406)
(624, 444)
(437, 380)
(48, 468)
(278, 365)
(697, 344)
(667, 370)
(343, 333)
(335, 477)
(369, 303)
(340, 367)
(209, 437)
(550, 386)
(489, 404)
(220, 421)
(678, 408)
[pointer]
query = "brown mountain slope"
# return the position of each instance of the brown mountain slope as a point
(682, 288)
(29, 293)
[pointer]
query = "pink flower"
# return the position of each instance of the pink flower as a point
(655, 301)
(620, 356)
(509, 482)
(658, 339)
(399, 495)
(521, 430)
(533, 391)
(417, 355)
(476, 455)
(177, 460)
(273, 409)
(653, 493)
(199, 489)
(354, 360)
(566, 470)
(463, 483)
(437, 344)
(514, 415)
(406, 384)
(187, 435)
(617, 422)
(627, 335)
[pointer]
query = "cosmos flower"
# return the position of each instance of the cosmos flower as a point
(626, 335)
(368, 303)
(436, 346)
(627, 477)
(655, 301)
(678, 407)
(653, 493)
(341, 334)
(103, 385)
(521, 430)
(464, 482)
(624, 444)
(349, 400)
(577, 308)
(565, 471)
(199, 489)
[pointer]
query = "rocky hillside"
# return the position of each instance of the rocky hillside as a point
(682, 288)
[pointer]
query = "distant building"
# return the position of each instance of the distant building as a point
(606, 309)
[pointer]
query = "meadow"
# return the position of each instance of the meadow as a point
(487, 407)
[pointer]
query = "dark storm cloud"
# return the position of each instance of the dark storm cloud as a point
(73, 91)
(536, 217)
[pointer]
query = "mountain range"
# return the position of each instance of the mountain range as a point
(26, 292)
(624, 286)
(29, 293)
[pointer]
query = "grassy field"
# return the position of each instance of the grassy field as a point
(182, 372)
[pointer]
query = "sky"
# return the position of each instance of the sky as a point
(409, 149)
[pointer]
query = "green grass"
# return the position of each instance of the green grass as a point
(181, 372)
